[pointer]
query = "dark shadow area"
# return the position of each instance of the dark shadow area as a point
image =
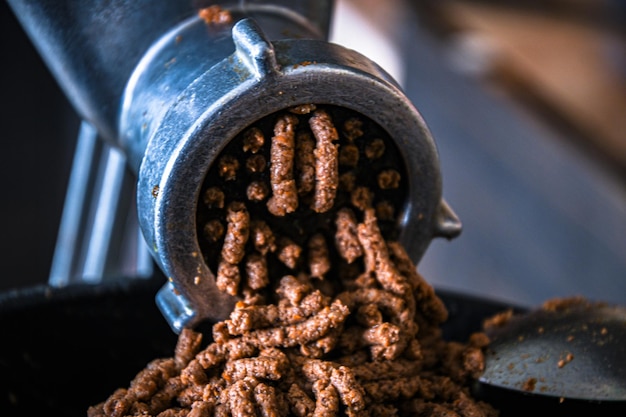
(39, 132)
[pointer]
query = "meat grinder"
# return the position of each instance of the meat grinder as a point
(169, 89)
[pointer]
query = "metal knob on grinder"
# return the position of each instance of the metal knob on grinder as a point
(200, 86)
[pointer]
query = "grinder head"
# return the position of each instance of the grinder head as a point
(245, 89)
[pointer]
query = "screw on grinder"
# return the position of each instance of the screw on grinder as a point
(187, 110)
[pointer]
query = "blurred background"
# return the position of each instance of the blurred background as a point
(526, 101)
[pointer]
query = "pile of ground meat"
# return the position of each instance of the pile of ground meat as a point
(297, 218)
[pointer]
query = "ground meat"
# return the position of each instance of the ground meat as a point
(344, 386)
(257, 191)
(214, 230)
(349, 155)
(384, 339)
(346, 238)
(297, 164)
(563, 304)
(374, 371)
(383, 334)
(375, 148)
(270, 402)
(377, 259)
(256, 271)
(161, 401)
(293, 290)
(303, 109)
(305, 162)
(300, 333)
(369, 315)
(193, 374)
(284, 194)
(300, 403)
(271, 367)
(188, 345)
(215, 15)
(214, 198)
(321, 329)
(228, 277)
(289, 252)
(262, 237)
(327, 403)
(326, 163)
(142, 389)
(201, 409)
(252, 297)
(429, 306)
(237, 233)
(319, 261)
(385, 211)
(271, 359)
(389, 179)
(498, 320)
(361, 198)
(353, 128)
(253, 140)
(473, 361)
(347, 181)
(228, 167)
(350, 391)
(246, 318)
(255, 164)
(241, 397)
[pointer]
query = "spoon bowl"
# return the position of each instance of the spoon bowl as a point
(567, 355)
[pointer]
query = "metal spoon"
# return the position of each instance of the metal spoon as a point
(567, 358)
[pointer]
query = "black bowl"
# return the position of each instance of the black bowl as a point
(65, 349)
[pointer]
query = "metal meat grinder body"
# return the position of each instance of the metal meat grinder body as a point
(172, 90)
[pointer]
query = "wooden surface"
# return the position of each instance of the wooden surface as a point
(566, 65)
(540, 218)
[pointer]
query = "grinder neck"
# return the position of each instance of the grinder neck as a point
(92, 48)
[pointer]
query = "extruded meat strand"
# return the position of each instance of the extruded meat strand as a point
(284, 193)
(377, 255)
(326, 161)
(237, 233)
(228, 167)
(270, 401)
(228, 277)
(257, 275)
(263, 238)
(346, 237)
(289, 252)
(300, 403)
(214, 230)
(241, 398)
(305, 162)
(214, 197)
(353, 128)
(319, 261)
(253, 140)
(268, 366)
